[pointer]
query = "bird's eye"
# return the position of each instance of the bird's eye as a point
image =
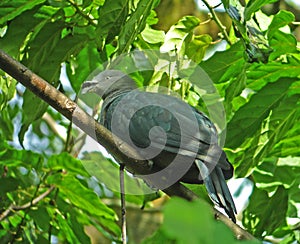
(107, 77)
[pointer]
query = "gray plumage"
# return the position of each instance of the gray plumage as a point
(179, 140)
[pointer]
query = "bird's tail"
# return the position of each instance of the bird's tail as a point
(217, 188)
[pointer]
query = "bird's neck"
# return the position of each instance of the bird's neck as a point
(116, 93)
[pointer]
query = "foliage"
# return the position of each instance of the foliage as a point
(46, 192)
(184, 228)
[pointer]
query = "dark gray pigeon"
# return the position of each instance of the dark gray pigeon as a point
(180, 142)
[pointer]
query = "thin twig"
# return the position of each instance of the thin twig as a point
(218, 21)
(53, 125)
(91, 22)
(206, 21)
(123, 204)
(20, 226)
(26, 205)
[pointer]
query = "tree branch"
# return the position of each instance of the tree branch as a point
(120, 150)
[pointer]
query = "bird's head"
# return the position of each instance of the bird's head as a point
(108, 82)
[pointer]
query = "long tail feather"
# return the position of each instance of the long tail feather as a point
(217, 188)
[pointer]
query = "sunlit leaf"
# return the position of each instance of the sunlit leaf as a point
(14, 157)
(254, 5)
(259, 75)
(281, 19)
(11, 9)
(282, 44)
(135, 24)
(153, 36)
(179, 34)
(65, 161)
(279, 123)
(247, 120)
(197, 47)
(226, 64)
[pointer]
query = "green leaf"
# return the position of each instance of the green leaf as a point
(282, 123)
(41, 217)
(282, 44)
(248, 119)
(254, 5)
(287, 176)
(153, 36)
(58, 3)
(264, 175)
(196, 48)
(7, 88)
(15, 220)
(78, 229)
(81, 196)
(12, 9)
(47, 50)
(6, 125)
(158, 237)
(46, 61)
(281, 19)
(66, 230)
(226, 64)
(260, 74)
(29, 114)
(272, 173)
(65, 161)
(8, 184)
(180, 34)
(182, 225)
(16, 33)
(112, 17)
(226, 3)
(276, 127)
(84, 200)
(109, 227)
(12, 158)
(289, 146)
(233, 92)
(79, 68)
(134, 25)
(152, 17)
(262, 217)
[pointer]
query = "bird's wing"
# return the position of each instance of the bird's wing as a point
(165, 123)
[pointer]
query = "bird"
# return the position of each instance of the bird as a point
(179, 141)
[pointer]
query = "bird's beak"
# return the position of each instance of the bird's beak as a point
(88, 87)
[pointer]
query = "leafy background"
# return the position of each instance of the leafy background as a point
(46, 193)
